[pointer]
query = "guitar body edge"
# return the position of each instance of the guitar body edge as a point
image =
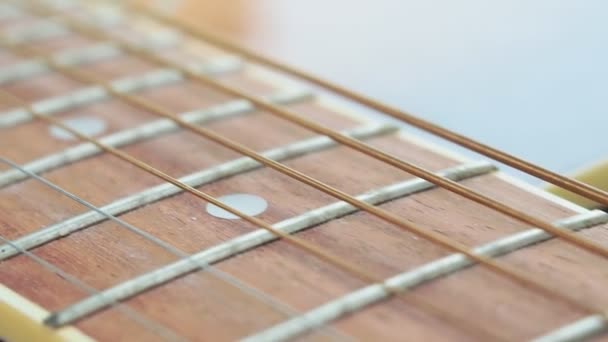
(21, 320)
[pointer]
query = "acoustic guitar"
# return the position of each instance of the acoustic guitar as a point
(160, 182)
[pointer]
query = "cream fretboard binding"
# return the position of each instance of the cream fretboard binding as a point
(172, 72)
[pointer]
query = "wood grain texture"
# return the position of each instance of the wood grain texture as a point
(202, 307)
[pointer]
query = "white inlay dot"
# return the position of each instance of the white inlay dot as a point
(251, 205)
(89, 126)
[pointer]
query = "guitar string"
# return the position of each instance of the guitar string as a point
(130, 83)
(75, 281)
(145, 131)
(151, 325)
(205, 267)
(201, 177)
(355, 144)
(444, 242)
(249, 241)
(78, 56)
(420, 275)
(437, 238)
(308, 247)
(537, 171)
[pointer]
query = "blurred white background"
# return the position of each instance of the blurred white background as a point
(529, 77)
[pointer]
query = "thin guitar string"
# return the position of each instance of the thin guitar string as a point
(151, 325)
(205, 267)
(537, 171)
(420, 275)
(125, 309)
(311, 219)
(310, 248)
(386, 216)
(355, 144)
(437, 238)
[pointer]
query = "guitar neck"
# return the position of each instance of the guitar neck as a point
(156, 186)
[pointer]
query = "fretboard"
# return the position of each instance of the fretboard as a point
(158, 186)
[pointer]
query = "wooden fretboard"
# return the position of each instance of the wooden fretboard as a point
(118, 131)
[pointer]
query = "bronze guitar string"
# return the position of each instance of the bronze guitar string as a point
(537, 171)
(434, 237)
(347, 141)
(302, 244)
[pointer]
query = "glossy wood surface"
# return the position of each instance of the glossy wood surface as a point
(201, 307)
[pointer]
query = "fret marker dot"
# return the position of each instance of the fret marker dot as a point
(88, 126)
(251, 205)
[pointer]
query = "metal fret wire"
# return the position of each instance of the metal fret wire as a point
(129, 84)
(259, 237)
(79, 56)
(509, 272)
(152, 325)
(437, 238)
(200, 178)
(243, 164)
(347, 141)
(39, 31)
(570, 184)
(418, 276)
(205, 267)
(295, 241)
(75, 57)
(143, 132)
(48, 29)
(579, 330)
